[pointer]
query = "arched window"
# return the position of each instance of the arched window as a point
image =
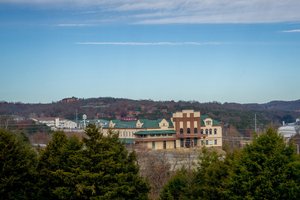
(181, 131)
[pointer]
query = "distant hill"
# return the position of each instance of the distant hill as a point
(239, 115)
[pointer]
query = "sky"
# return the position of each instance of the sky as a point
(244, 51)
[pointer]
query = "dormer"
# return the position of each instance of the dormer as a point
(139, 124)
(208, 122)
(164, 124)
(111, 124)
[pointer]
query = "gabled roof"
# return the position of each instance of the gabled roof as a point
(214, 122)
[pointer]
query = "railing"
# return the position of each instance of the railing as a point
(190, 135)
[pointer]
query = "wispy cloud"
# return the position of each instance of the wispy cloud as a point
(180, 11)
(292, 31)
(151, 43)
(75, 25)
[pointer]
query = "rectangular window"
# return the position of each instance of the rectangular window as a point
(153, 145)
(206, 131)
(202, 142)
(206, 142)
(201, 131)
(195, 142)
(188, 130)
(195, 130)
(165, 144)
(216, 142)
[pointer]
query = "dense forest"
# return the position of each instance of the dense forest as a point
(100, 167)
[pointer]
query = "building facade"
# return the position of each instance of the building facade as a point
(56, 123)
(186, 129)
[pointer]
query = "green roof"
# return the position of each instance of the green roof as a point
(214, 122)
(147, 123)
(124, 124)
(156, 132)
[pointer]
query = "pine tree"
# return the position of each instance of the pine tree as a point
(267, 169)
(99, 167)
(17, 167)
(58, 167)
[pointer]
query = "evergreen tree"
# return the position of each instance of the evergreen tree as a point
(17, 167)
(207, 181)
(211, 176)
(267, 169)
(99, 167)
(58, 167)
(177, 186)
(113, 173)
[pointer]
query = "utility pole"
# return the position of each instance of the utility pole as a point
(255, 126)
(76, 117)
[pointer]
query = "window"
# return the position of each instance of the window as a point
(216, 141)
(210, 131)
(202, 142)
(181, 131)
(188, 130)
(153, 145)
(206, 142)
(208, 122)
(206, 131)
(201, 131)
(181, 142)
(165, 144)
(174, 144)
(195, 130)
(215, 131)
(195, 142)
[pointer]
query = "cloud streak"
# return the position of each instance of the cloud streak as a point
(292, 31)
(151, 43)
(75, 25)
(180, 11)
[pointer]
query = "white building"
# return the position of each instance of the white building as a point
(56, 123)
(290, 129)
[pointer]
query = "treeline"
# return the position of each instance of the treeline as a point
(99, 167)
(239, 115)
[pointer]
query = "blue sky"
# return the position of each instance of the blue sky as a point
(205, 50)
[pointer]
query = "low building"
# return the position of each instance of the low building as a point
(291, 131)
(56, 123)
(288, 130)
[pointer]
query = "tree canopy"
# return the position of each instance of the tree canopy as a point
(17, 167)
(99, 167)
(268, 168)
